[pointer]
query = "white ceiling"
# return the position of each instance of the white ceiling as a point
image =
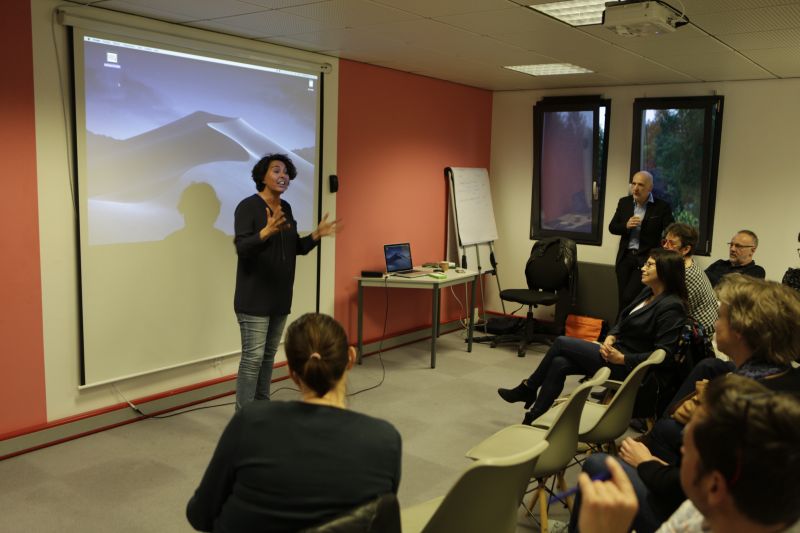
(469, 41)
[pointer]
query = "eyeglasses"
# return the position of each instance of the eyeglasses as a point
(672, 242)
(738, 246)
(649, 264)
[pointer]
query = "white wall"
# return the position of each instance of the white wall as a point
(57, 226)
(758, 186)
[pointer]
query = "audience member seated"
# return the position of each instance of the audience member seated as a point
(682, 238)
(758, 329)
(288, 465)
(655, 484)
(740, 469)
(791, 277)
(654, 320)
(741, 249)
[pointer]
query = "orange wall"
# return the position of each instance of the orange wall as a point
(22, 391)
(397, 133)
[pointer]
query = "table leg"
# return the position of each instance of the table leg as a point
(434, 325)
(360, 321)
(471, 326)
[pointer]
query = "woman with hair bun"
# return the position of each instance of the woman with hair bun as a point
(285, 466)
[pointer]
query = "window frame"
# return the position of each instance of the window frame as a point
(712, 138)
(599, 164)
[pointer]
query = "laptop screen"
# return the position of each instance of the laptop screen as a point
(398, 257)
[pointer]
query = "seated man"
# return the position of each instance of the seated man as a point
(740, 468)
(682, 238)
(741, 249)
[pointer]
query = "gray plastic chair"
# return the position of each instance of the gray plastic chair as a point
(485, 498)
(605, 423)
(562, 436)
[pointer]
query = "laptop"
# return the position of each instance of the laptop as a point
(398, 261)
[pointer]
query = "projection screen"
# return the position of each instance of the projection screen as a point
(166, 137)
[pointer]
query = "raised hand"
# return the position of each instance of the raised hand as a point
(325, 228)
(275, 222)
(633, 222)
(607, 506)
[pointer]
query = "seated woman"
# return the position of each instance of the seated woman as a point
(653, 320)
(285, 466)
(702, 300)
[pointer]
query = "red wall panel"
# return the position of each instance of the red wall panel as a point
(397, 133)
(22, 390)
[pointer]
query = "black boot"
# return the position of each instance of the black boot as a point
(520, 393)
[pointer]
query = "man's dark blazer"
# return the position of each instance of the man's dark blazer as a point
(656, 219)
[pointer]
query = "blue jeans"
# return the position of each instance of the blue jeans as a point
(261, 336)
(646, 520)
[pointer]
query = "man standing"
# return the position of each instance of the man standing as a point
(740, 250)
(640, 220)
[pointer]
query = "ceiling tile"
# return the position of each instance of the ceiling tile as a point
(780, 61)
(279, 4)
(764, 39)
(182, 10)
(718, 67)
(349, 13)
(263, 24)
(750, 20)
(428, 8)
(501, 21)
(457, 43)
(697, 7)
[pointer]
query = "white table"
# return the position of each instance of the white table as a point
(424, 282)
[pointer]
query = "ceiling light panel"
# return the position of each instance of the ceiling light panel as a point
(550, 69)
(574, 12)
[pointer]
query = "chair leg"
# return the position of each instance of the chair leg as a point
(562, 487)
(612, 448)
(542, 508)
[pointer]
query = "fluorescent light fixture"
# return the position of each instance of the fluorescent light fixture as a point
(550, 69)
(574, 12)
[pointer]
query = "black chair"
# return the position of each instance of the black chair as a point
(551, 273)
(381, 515)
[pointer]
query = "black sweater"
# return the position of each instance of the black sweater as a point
(285, 466)
(265, 270)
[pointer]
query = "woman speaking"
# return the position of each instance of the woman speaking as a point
(267, 246)
(654, 320)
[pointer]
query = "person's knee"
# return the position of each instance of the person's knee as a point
(595, 464)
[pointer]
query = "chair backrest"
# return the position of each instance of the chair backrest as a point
(550, 265)
(381, 515)
(614, 421)
(563, 433)
(487, 495)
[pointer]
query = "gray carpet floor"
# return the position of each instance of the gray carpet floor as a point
(139, 477)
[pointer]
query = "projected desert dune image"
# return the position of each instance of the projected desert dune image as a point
(135, 183)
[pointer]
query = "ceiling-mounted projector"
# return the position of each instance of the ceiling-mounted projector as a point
(640, 19)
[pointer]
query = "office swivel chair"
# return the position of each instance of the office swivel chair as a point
(551, 273)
